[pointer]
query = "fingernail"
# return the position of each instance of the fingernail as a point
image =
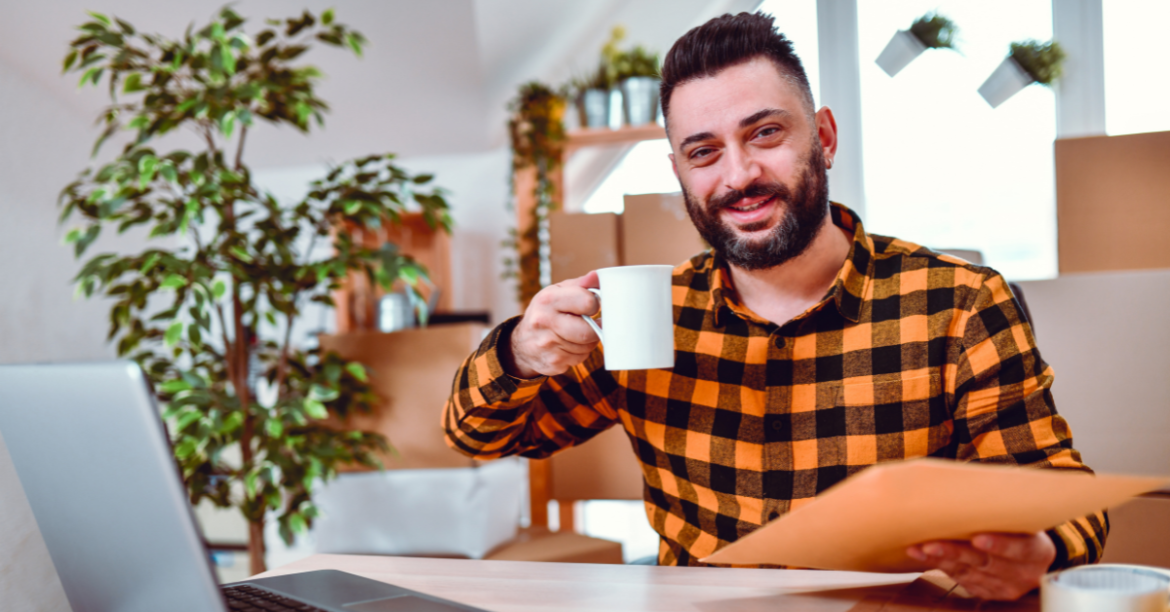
(934, 550)
(915, 553)
(982, 542)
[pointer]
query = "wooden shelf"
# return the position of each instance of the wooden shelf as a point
(603, 136)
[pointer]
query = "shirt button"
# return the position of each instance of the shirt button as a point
(779, 342)
(777, 425)
(773, 516)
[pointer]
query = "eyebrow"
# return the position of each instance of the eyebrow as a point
(745, 122)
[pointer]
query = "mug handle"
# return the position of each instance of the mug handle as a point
(590, 321)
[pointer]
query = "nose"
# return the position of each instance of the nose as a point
(742, 168)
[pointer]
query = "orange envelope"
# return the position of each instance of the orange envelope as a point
(866, 522)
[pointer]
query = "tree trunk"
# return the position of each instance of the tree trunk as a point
(256, 547)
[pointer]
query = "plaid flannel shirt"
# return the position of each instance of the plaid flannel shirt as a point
(910, 354)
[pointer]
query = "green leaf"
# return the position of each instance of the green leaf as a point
(173, 281)
(358, 371)
(324, 394)
(173, 333)
(93, 74)
(146, 167)
(232, 422)
(296, 522)
(274, 428)
(352, 207)
(188, 417)
(167, 170)
(174, 386)
(354, 40)
(133, 83)
(227, 124)
(250, 484)
(100, 17)
(327, 17)
(73, 236)
(69, 61)
(219, 289)
(228, 58)
(315, 409)
(186, 448)
(241, 254)
(149, 263)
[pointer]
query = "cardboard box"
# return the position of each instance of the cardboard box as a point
(411, 370)
(1113, 202)
(540, 544)
(1139, 532)
(656, 229)
(605, 467)
(580, 243)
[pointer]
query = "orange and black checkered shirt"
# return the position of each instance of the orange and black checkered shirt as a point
(911, 353)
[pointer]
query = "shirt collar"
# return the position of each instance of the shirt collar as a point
(847, 291)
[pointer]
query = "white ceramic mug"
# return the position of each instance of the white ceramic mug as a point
(638, 317)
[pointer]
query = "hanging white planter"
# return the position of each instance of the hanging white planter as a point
(899, 52)
(1005, 82)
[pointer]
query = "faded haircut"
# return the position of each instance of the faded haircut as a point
(729, 41)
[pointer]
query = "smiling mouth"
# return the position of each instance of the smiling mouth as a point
(750, 207)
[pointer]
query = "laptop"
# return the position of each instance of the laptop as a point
(91, 451)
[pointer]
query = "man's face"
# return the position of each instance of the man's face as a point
(752, 168)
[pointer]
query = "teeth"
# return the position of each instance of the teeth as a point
(748, 208)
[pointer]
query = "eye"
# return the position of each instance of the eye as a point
(768, 130)
(701, 152)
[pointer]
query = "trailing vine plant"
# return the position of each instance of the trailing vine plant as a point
(208, 313)
(537, 133)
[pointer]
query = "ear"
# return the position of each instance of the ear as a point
(826, 127)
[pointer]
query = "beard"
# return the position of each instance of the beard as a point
(806, 207)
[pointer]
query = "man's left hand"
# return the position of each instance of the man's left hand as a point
(992, 565)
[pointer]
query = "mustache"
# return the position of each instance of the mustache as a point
(755, 190)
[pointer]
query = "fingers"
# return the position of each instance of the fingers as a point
(552, 337)
(1012, 545)
(992, 566)
(589, 281)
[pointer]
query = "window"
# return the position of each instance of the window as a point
(944, 169)
(1136, 89)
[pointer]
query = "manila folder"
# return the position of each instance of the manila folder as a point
(866, 522)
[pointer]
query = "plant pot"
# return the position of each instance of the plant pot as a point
(640, 100)
(899, 52)
(593, 108)
(1005, 82)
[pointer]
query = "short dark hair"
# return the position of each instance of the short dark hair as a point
(728, 41)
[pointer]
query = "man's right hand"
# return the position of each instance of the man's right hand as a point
(551, 336)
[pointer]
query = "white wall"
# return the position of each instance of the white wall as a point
(39, 319)
(1108, 340)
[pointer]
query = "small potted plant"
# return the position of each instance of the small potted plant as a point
(1027, 62)
(637, 71)
(593, 93)
(930, 31)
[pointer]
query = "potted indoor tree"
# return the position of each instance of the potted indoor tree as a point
(209, 308)
(931, 31)
(1028, 62)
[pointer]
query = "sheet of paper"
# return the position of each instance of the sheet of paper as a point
(866, 522)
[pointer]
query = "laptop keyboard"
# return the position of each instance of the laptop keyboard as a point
(245, 598)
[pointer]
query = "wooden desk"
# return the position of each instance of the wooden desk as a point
(517, 586)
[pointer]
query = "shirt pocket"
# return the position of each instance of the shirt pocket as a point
(894, 419)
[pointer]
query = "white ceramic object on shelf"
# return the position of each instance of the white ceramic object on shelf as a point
(899, 52)
(1005, 82)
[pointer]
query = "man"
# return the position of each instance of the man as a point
(806, 349)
